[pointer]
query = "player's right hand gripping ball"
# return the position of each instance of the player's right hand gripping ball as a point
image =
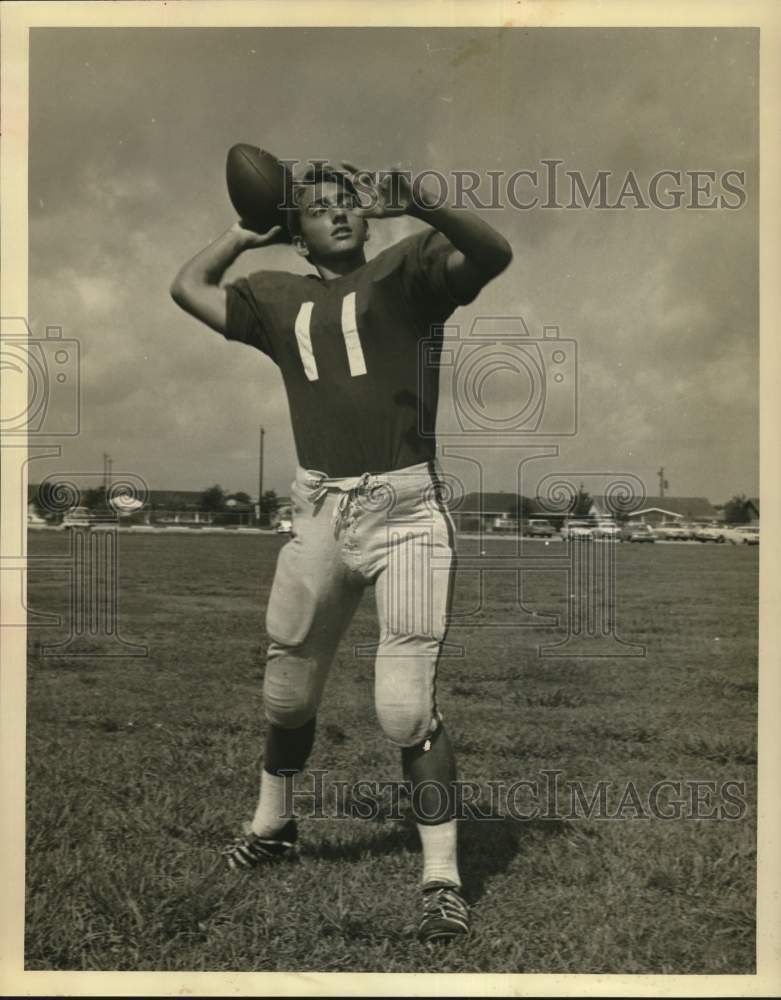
(257, 186)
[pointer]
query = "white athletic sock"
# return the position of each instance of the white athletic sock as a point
(269, 815)
(440, 852)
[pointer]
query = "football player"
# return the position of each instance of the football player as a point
(367, 508)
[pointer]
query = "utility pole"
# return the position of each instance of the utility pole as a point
(105, 470)
(663, 484)
(260, 475)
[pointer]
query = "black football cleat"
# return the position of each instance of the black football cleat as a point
(251, 850)
(445, 913)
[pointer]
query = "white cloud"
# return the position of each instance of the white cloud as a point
(105, 190)
(99, 295)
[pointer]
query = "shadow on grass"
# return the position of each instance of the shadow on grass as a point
(487, 847)
(388, 840)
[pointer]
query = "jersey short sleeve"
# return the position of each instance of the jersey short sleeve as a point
(244, 317)
(425, 276)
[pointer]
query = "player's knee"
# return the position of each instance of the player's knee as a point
(291, 711)
(406, 725)
(288, 704)
(404, 690)
(292, 686)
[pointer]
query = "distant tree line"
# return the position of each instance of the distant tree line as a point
(736, 510)
(215, 500)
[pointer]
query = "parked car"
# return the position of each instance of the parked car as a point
(577, 529)
(76, 517)
(538, 527)
(503, 522)
(745, 534)
(607, 531)
(637, 531)
(672, 532)
(284, 525)
(713, 532)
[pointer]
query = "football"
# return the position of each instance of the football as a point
(257, 186)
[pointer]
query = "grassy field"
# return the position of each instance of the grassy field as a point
(140, 769)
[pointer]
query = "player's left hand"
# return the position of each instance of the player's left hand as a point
(382, 194)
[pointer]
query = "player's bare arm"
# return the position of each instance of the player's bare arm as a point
(197, 287)
(481, 254)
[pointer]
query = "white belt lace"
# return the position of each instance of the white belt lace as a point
(347, 507)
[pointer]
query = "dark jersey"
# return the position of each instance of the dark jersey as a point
(348, 350)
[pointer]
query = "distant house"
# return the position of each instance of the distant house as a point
(177, 507)
(175, 499)
(658, 510)
(184, 507)
(239, 512)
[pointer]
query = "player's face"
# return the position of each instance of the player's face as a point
(330, 227)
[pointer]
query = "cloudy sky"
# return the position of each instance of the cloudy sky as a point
(128, 134)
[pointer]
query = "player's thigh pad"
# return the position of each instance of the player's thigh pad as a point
(414, 588)
(296, 669)
(309, 584)
(310, 606)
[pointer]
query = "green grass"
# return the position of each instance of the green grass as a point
(140, 769)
